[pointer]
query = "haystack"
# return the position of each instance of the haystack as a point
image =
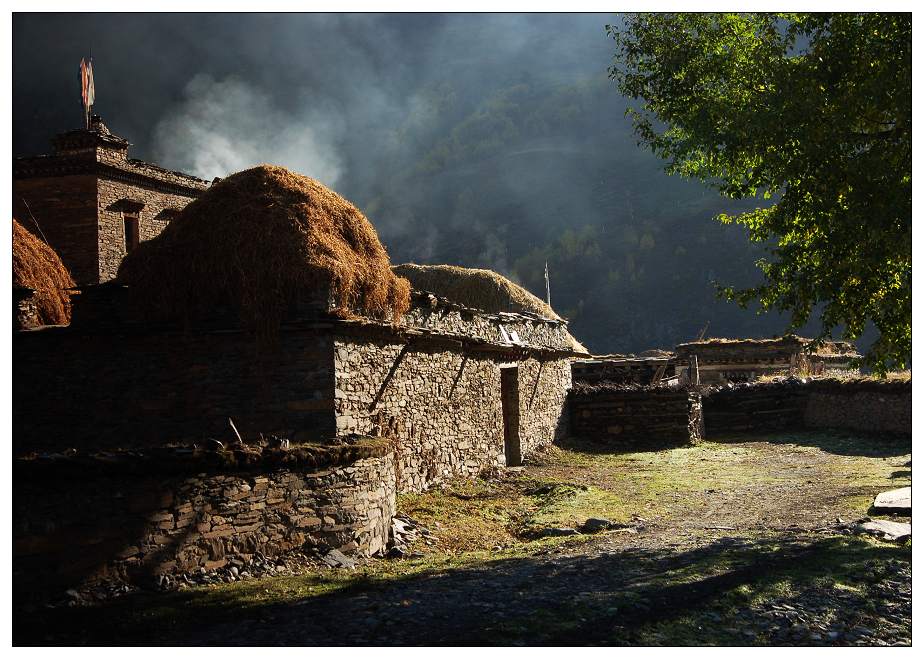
(258, 240)
(480, 289)
(38, 267)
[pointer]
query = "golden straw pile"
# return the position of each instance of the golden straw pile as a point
(472, 287)
(37, 266)
(258, 240)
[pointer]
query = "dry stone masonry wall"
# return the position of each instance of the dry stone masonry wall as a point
(860, 404)
(627, 416)
(439, 316)
(154, 209)
(104, 526)
(442, 407)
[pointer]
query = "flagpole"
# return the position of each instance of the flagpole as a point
(548, 294)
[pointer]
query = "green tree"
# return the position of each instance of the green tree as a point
(812, 112)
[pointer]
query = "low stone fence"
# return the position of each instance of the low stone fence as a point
(750, 406)
(865, 405)
(128, 517)
(859, 404)
(631, 416)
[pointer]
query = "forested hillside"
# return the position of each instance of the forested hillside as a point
(547, 172)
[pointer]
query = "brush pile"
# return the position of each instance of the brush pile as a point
(256, 242)
(38, 267)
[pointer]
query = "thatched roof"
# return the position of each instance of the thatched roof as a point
(476, 288)
(38, 267)
(259, 239)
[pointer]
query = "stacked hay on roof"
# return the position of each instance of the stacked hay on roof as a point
(256, 242)
(472, 287)
(41, 280)
(479, 289)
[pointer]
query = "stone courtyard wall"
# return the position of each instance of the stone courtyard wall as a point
(856, 404)
(625, 416)
(443, 406)
(862, 405)
(130, 519)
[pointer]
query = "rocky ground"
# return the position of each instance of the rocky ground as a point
(747, 541)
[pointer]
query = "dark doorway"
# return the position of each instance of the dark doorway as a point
(132, 235)
(510, 403)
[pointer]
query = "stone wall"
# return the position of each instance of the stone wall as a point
(131, 522)
(442, 406)
(441, 316)
(860, 404)
(65, 209)
(134, 389)
(749, 407)
(153, 217)
(79, 194)
(621, 371)
(627, 416)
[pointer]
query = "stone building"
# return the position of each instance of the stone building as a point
(94, 204)
(744, 360)
(653, 367)
(123, 411)
(449, 385)
(458, 389)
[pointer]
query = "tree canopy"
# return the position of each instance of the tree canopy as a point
(811, 112)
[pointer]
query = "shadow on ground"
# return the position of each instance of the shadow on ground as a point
(602, 595)
(624, 447)
(846, 443)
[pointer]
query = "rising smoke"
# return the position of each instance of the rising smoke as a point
(224, 126)
(481, 140)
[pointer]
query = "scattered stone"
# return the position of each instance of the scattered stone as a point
(885, 529)
(894, 502)
(596, 524)
(336, 558)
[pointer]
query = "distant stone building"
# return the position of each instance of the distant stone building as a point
(94, 204)
(716, 361)
(649, 368)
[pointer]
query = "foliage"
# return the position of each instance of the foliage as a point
(812, 111)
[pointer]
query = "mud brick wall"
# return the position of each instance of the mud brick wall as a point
(862, 405)
(636, 416)
(136, 389)
(442, 406)
(151, 219)
(65, 209)
(69, 532)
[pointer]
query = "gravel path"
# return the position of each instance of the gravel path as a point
(598, 593)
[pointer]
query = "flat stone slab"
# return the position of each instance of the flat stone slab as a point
(885, 528)
(897, 501)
